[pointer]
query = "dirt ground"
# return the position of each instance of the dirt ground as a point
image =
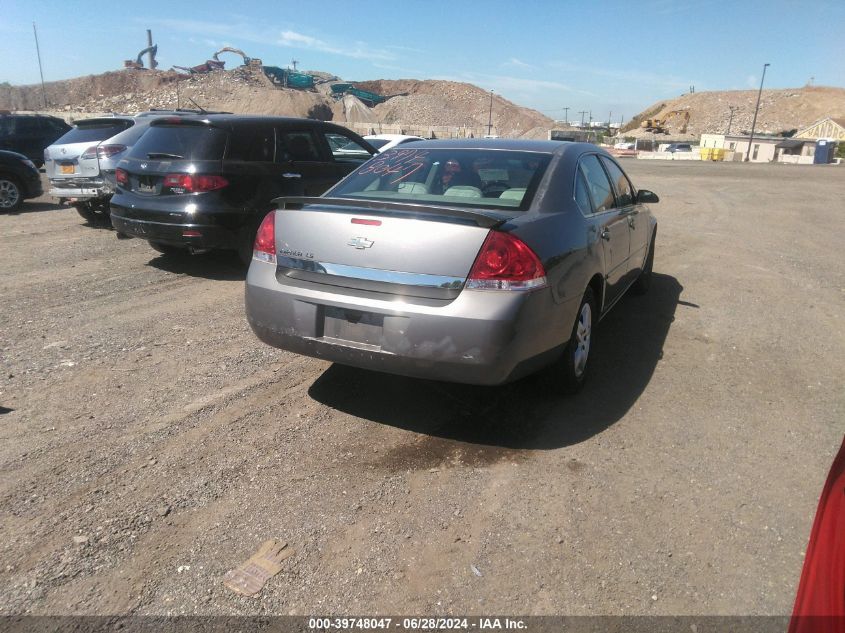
(150, 443)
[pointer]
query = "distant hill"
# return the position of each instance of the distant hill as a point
(780, 110)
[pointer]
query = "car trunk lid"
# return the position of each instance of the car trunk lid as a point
(387, 247)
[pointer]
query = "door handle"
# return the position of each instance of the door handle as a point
(605, 235)
(291, 175)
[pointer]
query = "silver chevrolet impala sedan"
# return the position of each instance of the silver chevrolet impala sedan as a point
(474, 260)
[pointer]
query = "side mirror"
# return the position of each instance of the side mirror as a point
(644, 195)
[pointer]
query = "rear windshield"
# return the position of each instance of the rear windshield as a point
(96, 132)
(189, 142)
(463, 177)
(375, 142)
(129, 137)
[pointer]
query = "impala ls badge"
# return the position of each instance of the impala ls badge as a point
(360, 242)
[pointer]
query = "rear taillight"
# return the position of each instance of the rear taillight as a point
(121, 176)
(194, 183)
(107, 151)
(265, 240)
(506, 263)
(91, 152)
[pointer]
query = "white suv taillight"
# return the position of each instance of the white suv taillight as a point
(506, 263)
(265, 240)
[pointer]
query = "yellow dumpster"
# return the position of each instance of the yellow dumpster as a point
(706, 153)
(718, 153)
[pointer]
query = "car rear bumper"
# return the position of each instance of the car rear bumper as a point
(481, 337)
(80, 188)
(200, 236)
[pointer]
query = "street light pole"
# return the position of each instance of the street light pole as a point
(490, 115)
(566, 115)
(40, 71)
(754, 120)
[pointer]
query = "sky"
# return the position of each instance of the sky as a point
(610, 58)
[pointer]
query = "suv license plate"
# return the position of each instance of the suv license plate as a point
(146, 187)
(67, 169)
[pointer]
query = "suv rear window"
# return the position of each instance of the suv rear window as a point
(97, 132)
(189, 142)
(449, 177)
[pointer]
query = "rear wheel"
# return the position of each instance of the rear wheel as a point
(167, 249)
(570, 371)
(10, 194)
(95, 212)
(246, 238)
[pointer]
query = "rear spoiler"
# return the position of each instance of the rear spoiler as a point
(484, 219)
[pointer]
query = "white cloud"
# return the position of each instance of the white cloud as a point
(356, 50)
(513, 62)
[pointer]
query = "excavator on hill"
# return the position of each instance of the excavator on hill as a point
(138, 64)
(248, 61)
(658, 126)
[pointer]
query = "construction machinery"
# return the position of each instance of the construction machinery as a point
(138, 63)
(248, 61)
(658, 125)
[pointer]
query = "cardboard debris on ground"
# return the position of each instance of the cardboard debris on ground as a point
(249, 577)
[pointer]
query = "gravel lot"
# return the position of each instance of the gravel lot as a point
(150, 443)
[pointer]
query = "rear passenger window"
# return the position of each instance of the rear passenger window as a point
(252, 144)
(297, 146)
(582, 198)
(597, 183)
(624, 191)
(344, 147)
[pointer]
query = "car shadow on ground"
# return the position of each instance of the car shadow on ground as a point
(217, 265)
(526, 414)
(34, 207)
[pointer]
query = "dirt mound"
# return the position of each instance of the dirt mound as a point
(246, 90)
(780, 110)
(434, 102)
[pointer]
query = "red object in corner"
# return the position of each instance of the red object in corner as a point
(820, 601)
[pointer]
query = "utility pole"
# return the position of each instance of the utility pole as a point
(490, 116)
(731, 119)
(754, 120)
(582, 113)
(38, 52)
(591, 118)
(293, 63)
(566, 115)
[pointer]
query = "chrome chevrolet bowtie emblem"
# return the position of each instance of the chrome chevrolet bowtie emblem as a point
(143, 165)
(360, 242)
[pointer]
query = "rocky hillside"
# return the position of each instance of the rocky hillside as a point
(244, 90)
(780, 110)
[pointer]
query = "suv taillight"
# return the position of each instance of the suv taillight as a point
(107, 151)
(91, 152)
(506, 263)
(264, 248)
(121, 176)
(194, 183)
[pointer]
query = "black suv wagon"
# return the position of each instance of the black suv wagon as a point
(30, 134)
(206, 183)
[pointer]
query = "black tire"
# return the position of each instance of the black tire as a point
(96, 213)
(11, 195)
(570, 371)
(167, 249)
(643, 282)
(246, 239)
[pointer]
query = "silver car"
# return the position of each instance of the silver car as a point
(475, 261)
(81, 164)
(73, 164)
